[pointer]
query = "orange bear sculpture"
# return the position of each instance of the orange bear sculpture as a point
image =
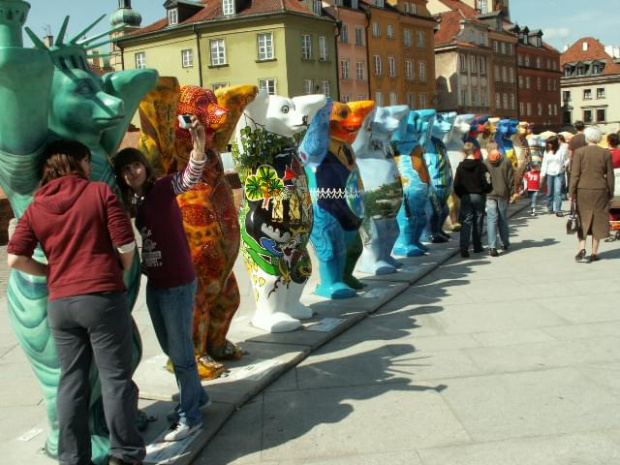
(209, 214)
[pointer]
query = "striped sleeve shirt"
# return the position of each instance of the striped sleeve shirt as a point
(183, 181)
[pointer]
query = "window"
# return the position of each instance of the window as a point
(140, 59)
(409, 70)
(228, 7)
(548, 63)
(308, 86)
(504, 74)
(567, 71)
(538, 62)
(482, 6)
(513, 102)
(390, 31)
(344, 34)
(520, 82)
(317, 7)
(306, 47)
(509, 49)
(413, 8)
(520, 60)
(549, 109)
(597, 69)
(529, 109)
(378, 67)
(380, 3)
(346, 98)
(580, 71)
(496, 46)
(498, 101)
(326, 88)
(422, 71)
(555, 109)
(482, 65)
(267, 84)
(407, 37)
(474, 98)
(527, 60)
(472, 64)
(521, 108)
(379, 98)
(359, 36)
(355, 4)
(540, 108)
(218, 52)
(219, 85)
(464, 98)
(361, 97)
(587, 94)
(566, 95)
(548, 84)
(463, 61)
(375, 29)
(393, 98)
(503, 48)
(265, 46)
(600, 92)
(344, 69)
(187, 60)
(173, 16)
(422, 100)
(528, 82)
(505, 101)
(511, 74)
(587, 116)
(411, 100)
(421, 38)
(360, 68)
(323, 56)
(392, 66)
(496, 72)
(538, 83)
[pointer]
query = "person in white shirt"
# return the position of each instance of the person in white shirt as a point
(552, 173)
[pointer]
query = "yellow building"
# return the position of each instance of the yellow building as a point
(286, 47)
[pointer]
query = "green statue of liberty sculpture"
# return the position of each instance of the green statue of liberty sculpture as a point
(49, 93)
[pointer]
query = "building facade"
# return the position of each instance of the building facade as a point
(591, 84)
(286, 47)
(538, 80)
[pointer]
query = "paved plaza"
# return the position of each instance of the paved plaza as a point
(499, 361)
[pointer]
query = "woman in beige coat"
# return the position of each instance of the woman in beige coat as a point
(592, 186)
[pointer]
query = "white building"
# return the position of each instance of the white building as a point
(591, 84)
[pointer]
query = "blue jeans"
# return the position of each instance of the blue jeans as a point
(554, 192)
(172, 314)
(533, 196)
(472, 220)
(497, 221)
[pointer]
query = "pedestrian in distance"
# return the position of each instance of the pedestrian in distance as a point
(88, 242)
(613, 140)
(552, 173)
(592, 187)
(502, 180)
(167, 263)
(472, 182)
(532, 181)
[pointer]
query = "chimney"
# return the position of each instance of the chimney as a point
(48, 40)
(584, 46)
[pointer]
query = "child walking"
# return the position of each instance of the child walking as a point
(532, 185)
(168, 265)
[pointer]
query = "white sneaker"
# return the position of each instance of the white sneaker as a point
(179, 431)
(173, 415)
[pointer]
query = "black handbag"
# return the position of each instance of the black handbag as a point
(573, 224)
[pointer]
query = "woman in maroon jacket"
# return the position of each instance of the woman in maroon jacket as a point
(88, 241)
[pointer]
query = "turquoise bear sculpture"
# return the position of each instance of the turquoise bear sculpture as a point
(383, 189)
(51, 93)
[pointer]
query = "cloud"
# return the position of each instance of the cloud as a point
(556, 33)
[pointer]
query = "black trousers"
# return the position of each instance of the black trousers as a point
(472, 220)
(87, 327)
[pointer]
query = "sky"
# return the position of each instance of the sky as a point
(562, 21)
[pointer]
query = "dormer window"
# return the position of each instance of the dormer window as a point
(567, 71)
(597, 68)
(482, 6)
(317, 7)
(173, 16)
(380, 3)
(354, 4)
(228, 7)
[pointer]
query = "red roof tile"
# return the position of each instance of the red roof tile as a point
(448, 28)
(456, 5)
(595, 51)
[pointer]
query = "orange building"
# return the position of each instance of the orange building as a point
(351, 49)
